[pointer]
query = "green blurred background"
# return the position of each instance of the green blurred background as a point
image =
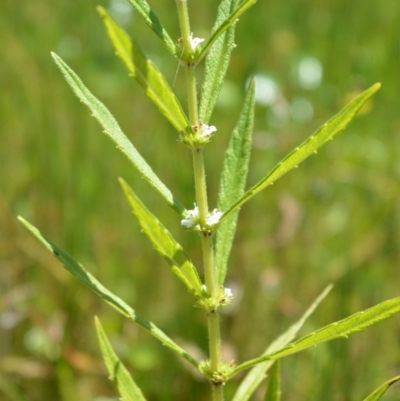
(336, 218)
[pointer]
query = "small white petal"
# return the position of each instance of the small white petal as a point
(214, 217)
(191, 218)
(207, 130)
(194, 42)
(228, 293)
(188, 223)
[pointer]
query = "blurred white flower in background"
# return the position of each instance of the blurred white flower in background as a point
(309, 73)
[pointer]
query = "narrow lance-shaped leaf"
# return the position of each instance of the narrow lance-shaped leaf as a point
(341, 329)
(378, 393)
(274, 385)
(217, 62)
(163, 242)
(77, 270)
(127, 388)
(113, 130)
(258, 373)
(307, 148)
(233, 180)
(226, 24)
(143, 8)
(146, 74)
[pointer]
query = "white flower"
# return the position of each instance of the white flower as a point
(213, 217)
(194, 42)
(207, 130)
(228, 293)
(191, 219)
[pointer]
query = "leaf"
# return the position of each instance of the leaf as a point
(146, 74)
(377, 394)
(126, 386)
(233, 180)
(217, 62)
(258, 373)
(163, 242)
(90, 281)
(143, 8)
(112, 129)
(341, 329)
(308, 147)
(226, 24)
(274, 385)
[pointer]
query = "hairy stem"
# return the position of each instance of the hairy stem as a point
(214, 336)
(184, 25)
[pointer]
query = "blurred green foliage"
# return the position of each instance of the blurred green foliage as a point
(336, 218)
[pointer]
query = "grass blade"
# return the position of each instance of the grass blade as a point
(308, 147)
(143, 8)
(113, 130)
(377, 394)
(233, 180)
(163, 242)
(258, 373)
(226, 24)
(274, 385)
(77, 270)
(217, 62)
(126, 386)
(146, 74)
(341, 329)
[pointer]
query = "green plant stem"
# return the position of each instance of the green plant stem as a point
(214, 335)
(201, 186)
(218, 393)
(184, 25)
(192, 96)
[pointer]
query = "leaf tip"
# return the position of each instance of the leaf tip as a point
(57, 59)
(123, 184)
(23, 221)
(252, 83)
(101, 11)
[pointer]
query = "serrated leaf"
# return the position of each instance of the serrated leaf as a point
(146, 74)
(274, 386)
(127, 388)
(308, 147)
(163, 242)
(233, 180)
(258, 373)
(217, 62)
(79, 272)
(341, 329)
(143, 8)
(377, 394)
(112, 129)
(226, 24)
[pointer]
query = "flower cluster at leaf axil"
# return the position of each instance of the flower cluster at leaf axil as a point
(192, 220)
(206, 131)
(188, 57)
(226, 294)
(211, 303)
(200, 135)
